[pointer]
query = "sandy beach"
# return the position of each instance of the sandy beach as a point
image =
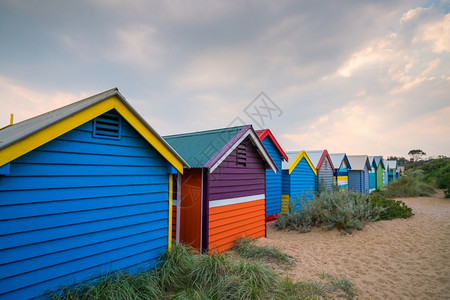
(397, 259)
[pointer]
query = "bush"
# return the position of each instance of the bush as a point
(392, 209)
(343, 210)
(412, 185)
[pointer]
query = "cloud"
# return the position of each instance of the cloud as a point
(436, 33)
(26, 103)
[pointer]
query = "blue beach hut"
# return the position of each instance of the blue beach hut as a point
(273, 180)
(299, 178)
(342, 166)
(84, 189)
(391, 167)
(358, 176)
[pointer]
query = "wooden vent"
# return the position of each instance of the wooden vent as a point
(241, 156)
(107, 126)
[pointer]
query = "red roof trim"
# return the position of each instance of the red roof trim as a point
(324, 154)
(262, 134)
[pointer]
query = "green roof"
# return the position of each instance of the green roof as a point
(197, 148)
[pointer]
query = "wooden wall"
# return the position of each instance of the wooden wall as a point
(236, 195)
(80, 205)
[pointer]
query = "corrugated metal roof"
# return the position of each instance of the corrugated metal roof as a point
(314, 156)
(377, 160)
(21, 130)
(291, 155)
(391, 164)
(357, 162)
(337, 158)
(197, 148)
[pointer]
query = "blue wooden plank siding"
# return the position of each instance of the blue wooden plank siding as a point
(358, 181)
(81, 205)
(302, 181)
(299, 185)
(372, 182)
(273, 180)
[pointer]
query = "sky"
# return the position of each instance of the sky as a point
(360, 77)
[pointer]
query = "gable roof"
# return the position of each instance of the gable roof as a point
(358, 161)
(295, 157)
(376, 161)
(23, 137)
(338, 158)
(317, 157)
(207, 149)
(391, 164)
(267, 133)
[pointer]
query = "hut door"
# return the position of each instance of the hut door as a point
(191, 208)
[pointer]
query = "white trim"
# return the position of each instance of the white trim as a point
(238, 142)
(237, 200)
(261, 149)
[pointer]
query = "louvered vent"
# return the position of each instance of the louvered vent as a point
(241, 156)
(107, 126)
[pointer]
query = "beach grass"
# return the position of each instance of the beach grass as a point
(185, 274)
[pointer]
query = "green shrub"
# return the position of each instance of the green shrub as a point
(412, 185)
(392, 209)
(343, 210)
(299, 220)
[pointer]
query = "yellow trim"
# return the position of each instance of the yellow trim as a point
(299, 157)
(342, 178)
(11, 120)
(47, 134)
(170, 210)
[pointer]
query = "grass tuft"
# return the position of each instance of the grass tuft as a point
(247, 248)
(188, 275)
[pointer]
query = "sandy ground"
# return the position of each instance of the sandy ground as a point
(397, 259)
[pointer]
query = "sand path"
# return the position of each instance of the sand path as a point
(398, 259)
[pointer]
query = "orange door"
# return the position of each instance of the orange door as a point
(191, 208)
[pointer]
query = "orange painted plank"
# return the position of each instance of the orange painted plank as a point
(234, 207)
(236, 219)
(227, 243)
(235, 229)
(238, 212)
(227, 223)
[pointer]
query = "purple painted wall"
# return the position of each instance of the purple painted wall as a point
(232, 180)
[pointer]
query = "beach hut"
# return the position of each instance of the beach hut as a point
(400, 171)
(325, 169)
(391, 169)
(379, 168)
(273, 179)
(84, 190)
(342, 166)
(372, 174)
(385, 173)
(223, 193)
(299, 178)
(358, 176)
